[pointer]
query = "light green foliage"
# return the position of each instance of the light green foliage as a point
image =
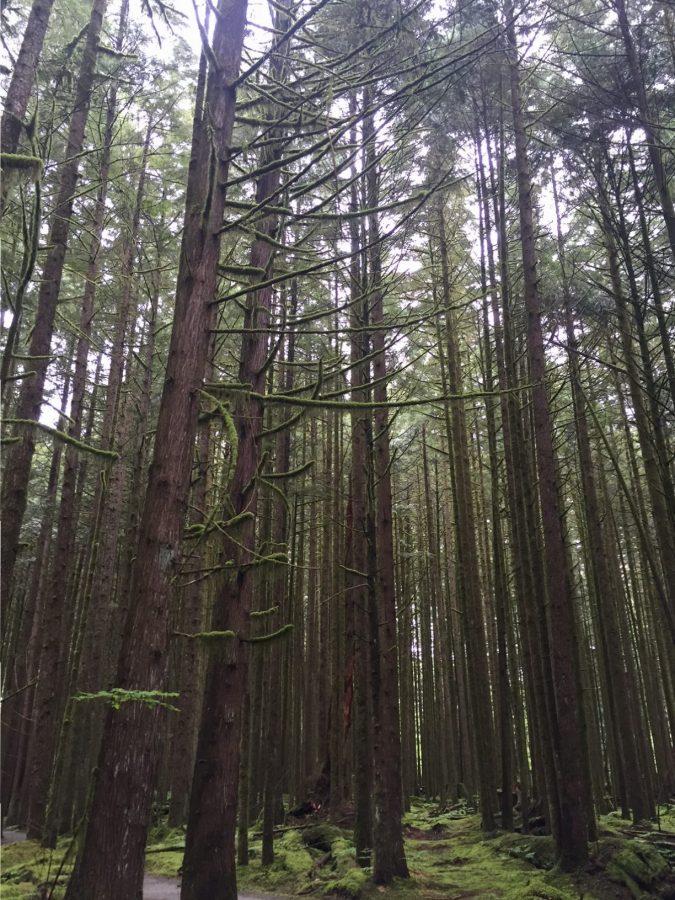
(117, 696)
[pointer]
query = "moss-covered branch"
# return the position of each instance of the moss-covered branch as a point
(66, 438)
(273, 636)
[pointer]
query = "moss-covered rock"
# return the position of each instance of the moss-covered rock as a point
(538, 851)
(638, 866)
(321, 836)
(351, 883)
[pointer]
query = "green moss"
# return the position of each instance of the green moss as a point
(351, 884)
(299, 861)
(538, 851)
(321, 836)
(165, 863)
(26, 864)
(18, 891)
(466, 863)
(344, 854)
(667, 817)
(449, 859)
(164, 853)
(638, 866)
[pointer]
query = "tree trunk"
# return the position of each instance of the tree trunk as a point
(209, 867)
(389, 855)
(111, 862)
(571, 845)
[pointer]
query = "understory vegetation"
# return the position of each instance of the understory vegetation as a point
(449, 856)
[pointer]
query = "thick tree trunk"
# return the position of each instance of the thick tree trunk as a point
(110, 865)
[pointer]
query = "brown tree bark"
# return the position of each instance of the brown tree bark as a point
(605, 597)
(388, 852)
(55, 636)
(209, 866)
(111, 862)
(357, 576)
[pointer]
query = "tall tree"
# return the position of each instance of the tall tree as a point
(131, 734)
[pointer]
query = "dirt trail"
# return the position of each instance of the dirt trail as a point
(154, 887)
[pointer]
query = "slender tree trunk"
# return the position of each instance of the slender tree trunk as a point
(605, 597)
(472, 606)
(389, 855)
(572, 842)
(498, 555)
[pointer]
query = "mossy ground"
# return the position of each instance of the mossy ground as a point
(448, 856)
(26, 865)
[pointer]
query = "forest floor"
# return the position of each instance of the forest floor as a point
(448, 856)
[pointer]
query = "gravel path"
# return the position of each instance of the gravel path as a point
(154, 887)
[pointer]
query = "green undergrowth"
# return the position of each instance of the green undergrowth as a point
(26, 866)
(164, 855)
(318, 860)
(448, 856)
